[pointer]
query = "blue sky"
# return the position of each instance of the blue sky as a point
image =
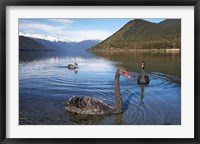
(74, 29)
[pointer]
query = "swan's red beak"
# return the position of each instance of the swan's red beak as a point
(126, 74)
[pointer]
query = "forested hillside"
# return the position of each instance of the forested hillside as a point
(141, 34)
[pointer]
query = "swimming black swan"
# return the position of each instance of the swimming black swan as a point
(72, 66)
(92, 106)
(143, 79)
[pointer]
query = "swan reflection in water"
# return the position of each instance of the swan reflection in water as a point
(142, 93)
(83, 119)
(75, 70)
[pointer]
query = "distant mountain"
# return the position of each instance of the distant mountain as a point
(28, 44)
(84, 45)
(44, 37)
(56, 45)
(34, 44)
(141, 34)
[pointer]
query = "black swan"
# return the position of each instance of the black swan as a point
(143, 79)
(92, 106)
(72, 66)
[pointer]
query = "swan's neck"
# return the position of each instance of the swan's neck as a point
(119, 105)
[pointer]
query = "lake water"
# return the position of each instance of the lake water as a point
(45, 84)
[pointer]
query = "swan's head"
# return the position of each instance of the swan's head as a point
(75, 64)
(124, 72)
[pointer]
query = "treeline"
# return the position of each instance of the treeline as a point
(174, 43)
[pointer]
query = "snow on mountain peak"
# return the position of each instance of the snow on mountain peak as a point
(45, 37)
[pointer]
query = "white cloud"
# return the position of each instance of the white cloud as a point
(63, 21)
(87, 34)
(62, 31)
(40, 27)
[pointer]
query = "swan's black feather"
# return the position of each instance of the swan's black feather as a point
(143, 79)
(88, 105)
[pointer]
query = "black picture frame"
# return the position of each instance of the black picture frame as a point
(5, 3)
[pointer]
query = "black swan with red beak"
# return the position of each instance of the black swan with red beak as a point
(92, 106)
(143, 79)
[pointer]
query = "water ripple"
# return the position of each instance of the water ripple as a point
(47, 87)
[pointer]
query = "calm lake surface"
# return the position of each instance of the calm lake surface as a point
(45, 84)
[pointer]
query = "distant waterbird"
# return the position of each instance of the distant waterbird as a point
(72, 66)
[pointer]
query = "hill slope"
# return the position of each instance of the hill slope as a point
(28, 44)
(140, 34)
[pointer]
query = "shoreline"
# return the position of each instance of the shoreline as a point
(161, 50)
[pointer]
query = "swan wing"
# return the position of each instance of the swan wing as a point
(88, 105)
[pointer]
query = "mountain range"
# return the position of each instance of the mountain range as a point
(44, 37)
(141, 34)
(41, 44)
